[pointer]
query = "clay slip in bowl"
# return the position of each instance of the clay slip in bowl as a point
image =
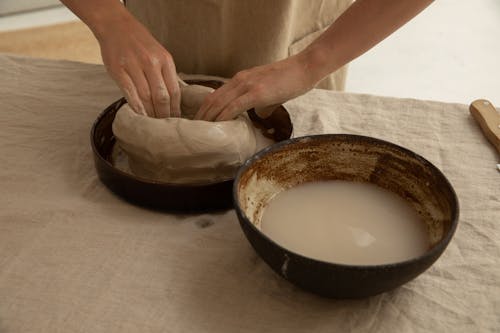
(352, 158)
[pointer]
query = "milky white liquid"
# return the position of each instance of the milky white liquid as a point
(345, 222)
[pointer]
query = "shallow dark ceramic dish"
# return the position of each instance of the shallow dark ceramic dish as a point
(353, 158)
(185, 198)
(148, 193)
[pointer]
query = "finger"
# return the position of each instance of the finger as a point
(169, 74)
(222, 101)
(236, 107)
(210, 99)
(127, 87)
(159, 92)
(142, 87)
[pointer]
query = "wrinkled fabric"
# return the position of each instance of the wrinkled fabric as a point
(76, 258)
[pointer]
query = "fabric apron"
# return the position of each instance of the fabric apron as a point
(222, 37)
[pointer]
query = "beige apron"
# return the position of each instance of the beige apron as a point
(222, 37)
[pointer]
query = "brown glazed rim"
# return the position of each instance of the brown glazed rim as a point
(439, 247)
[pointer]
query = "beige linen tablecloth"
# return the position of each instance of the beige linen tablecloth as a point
(75, 258)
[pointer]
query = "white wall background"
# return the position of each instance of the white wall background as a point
(450, 52)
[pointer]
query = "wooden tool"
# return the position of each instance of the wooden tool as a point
(488, 119)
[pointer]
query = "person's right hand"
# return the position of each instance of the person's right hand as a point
(143, 69)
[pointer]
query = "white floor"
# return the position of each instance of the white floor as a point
(450, 52)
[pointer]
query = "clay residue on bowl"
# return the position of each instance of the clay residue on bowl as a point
(351, 158)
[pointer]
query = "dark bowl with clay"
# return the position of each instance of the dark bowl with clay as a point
(352, 158)
(171, 197)
(184, 198)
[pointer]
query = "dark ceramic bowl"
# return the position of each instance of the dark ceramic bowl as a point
(171, 197)
(185, 198)
(352, 158)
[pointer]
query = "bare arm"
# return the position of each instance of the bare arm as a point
(363, 25)
(96, 13)
(141, 67)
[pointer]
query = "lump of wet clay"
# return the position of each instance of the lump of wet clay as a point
(192, 97)
(182, 150)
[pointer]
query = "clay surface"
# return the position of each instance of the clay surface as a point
(182, 150)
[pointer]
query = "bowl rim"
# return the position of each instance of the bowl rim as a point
(436, 250)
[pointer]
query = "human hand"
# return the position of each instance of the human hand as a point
(259, 87)
(141, 67)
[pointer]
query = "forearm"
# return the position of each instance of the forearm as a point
(363, 25)
(97, 14)
(142, 68)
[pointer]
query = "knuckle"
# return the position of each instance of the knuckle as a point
(123, 62)
(143, 57)
(154, 61)
(162, 97)
(257, 90)
(244, 84)
(249, 85)
(167, 57)
(127, 89)
(241, 76)
(145, 95)
(175, 95)
(149, 59)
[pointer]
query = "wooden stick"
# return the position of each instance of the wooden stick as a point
(489, 120)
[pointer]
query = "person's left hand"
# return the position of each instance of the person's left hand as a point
(259, 87)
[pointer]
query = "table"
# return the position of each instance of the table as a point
(75, 258)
